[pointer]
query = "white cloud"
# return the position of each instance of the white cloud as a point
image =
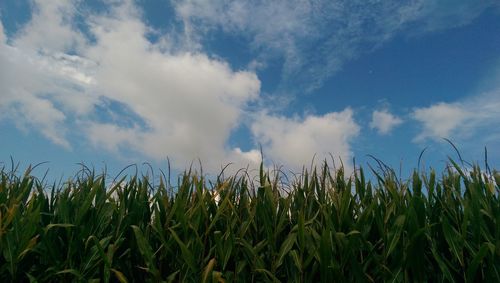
(2, 35)
(32, 84)
(51, 27)
(177, 104)
(439, 15)
(440, 120)
(315, 38)
(189, 102)
(470, 122)
(475, 119)
(383, 121)
(294, 141)
(185, 104)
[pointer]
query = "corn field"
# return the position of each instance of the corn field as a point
(322, 226)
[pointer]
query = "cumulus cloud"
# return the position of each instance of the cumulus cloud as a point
(34, 79)
(124, 93)
(472, 119)
(383, 121)
(440, 120)
(315, 38)
(51, 27)
(293, 141)
(189, 102)
(185, 104)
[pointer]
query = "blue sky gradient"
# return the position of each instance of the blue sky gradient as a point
(113, 83)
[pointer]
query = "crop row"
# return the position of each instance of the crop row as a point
(321, 226)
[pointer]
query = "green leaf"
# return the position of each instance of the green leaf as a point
(74, 272)
(186, 253)
(58, 225)
(296, 259)
(285, 248)
(145, 250)
(453, 238)
(173, 276)
(472, 269)
(269, 274)
(442, 265)
(396, 233)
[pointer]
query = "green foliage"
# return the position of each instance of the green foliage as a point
(321, 227)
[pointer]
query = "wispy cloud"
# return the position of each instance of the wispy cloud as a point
(315, 38)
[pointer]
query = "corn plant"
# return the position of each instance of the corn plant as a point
(321, 226)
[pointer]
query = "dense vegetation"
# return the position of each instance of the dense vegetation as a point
(321, 226)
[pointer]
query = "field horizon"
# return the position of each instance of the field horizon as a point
(317, 226)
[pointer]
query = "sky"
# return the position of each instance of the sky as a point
(109, 83)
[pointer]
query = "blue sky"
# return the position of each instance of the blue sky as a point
(111, 83)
